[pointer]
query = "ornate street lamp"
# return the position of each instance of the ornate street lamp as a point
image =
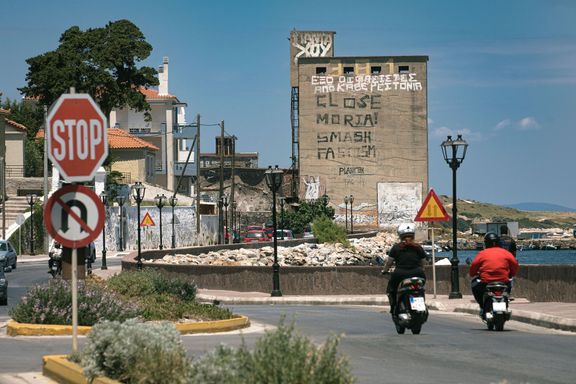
(346, 201)
(226, 229)
(454, 152)
(274, 181)
(173, 201)
(31, 200)
(121, 200)
(282, 199)
(104, 198)
(160, 201)
(351, 199)
(138, 191)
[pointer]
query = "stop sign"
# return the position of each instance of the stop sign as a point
(77, 136)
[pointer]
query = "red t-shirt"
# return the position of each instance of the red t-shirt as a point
(494, 264)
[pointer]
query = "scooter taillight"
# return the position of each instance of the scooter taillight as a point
(498, 293)
(415, 287)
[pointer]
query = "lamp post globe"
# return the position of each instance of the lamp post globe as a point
(274, 181)
(173, 201)
(454, 152)
(138, 191)
(160, 201)
(104, 199)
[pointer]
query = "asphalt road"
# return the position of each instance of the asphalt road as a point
(453, 348)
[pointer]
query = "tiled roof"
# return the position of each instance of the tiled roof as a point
(17, 125)
(119, 139)
(152, 94)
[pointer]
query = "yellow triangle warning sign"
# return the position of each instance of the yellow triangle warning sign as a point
(147, 221)
(432, 209)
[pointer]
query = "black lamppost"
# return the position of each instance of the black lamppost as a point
(274, 181)
(160, 201)
(104, 198)
(226, 229)
(351, 199)
(173, 201)
(454, 152)
(220, 221)
(234, 205)
(138, 191)
(282, 199)
(31, 200)
(346, 201)
(121, 200)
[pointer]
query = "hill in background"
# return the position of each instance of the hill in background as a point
(474, 211)
(540, 207)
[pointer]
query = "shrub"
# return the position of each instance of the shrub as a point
(51, 303)
(150, 281)
(326, 231)
(133, 352)
(279, 357)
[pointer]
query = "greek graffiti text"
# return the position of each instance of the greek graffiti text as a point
(366, 83)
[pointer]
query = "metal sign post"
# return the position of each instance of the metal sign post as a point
(74, 300)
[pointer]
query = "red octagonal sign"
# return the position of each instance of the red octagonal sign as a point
(77, 136)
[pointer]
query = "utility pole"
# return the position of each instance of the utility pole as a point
(198, 178)
(3, 169)
(221, 194)
(232, 189)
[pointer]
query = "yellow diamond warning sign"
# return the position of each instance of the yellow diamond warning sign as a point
(432, 209)
(147, 221)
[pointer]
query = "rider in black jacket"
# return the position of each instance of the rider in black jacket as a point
(408, 256)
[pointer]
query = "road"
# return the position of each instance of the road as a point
(453, 348)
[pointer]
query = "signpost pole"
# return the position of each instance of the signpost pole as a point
(433, 262)
(74, 300)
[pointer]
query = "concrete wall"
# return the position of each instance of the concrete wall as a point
(364, 132)
(534, 282)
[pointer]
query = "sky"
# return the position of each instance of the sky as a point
(501, 73)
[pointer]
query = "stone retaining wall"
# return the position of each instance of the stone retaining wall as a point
(534, 282)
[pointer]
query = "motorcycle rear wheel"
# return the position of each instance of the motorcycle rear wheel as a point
(499, 323)
(400, 329)
(416, 330)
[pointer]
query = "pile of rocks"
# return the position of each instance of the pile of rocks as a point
(361, 252)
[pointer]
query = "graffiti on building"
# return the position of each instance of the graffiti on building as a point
(366, 83)
(344, 137)
(312, 187)
(352, 102)
(312, 44)
(332, 153)
(348, 120)
(351, 171)
(398, 203)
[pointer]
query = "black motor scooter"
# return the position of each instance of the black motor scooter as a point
(495, 304)
(55, 261)
(411, 310)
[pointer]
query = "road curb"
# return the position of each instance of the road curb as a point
(64, 371)
(538, 319)
(294, 300)
(13, 328)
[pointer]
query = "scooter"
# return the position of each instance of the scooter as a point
(411, 310)
(495, 304)
(55, 262)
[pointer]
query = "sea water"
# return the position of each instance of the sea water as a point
(561, 256)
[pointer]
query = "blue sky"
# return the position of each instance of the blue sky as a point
(500, 72)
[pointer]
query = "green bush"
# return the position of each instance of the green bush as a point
(149, 281)
(133, 352)
(326, 231)
(51, 303)
(280, 356)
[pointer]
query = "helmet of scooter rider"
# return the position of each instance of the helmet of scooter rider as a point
(406, 229)
(491, 239)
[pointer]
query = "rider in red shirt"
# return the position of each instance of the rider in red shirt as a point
(491, 264)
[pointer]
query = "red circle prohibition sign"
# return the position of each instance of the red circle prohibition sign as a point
(74, 216)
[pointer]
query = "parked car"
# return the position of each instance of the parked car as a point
(286, 232)
(3, 288)
(269, 232)
(8, 256)
(254, 228)
(255, 236)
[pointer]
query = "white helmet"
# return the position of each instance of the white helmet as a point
(406, 229)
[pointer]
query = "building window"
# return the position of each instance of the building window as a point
(320, 70)
(348, 70)
(376, 70)
(403, 69)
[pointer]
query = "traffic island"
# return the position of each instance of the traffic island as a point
(62, 370)
(13, 328)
